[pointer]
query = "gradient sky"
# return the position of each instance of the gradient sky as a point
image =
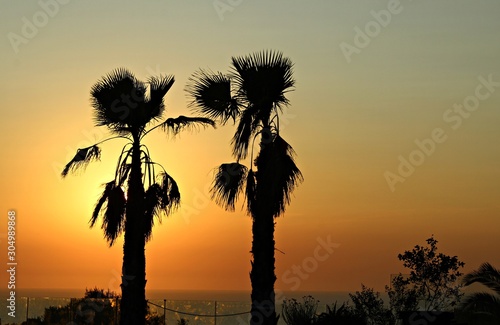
(355, 115)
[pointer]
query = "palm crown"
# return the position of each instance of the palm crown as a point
(126, 106)
(252, 95)
(484, 305)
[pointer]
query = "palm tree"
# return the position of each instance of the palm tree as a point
(253, 95)
(484, 305)
(125, 106)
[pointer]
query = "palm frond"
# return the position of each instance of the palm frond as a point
(487, 275)
(158, 199)
(170, 195)
(118, 100)
(113, 220)
(123, 168)
(100, 203)
(277, 175)
(244, 134)
(482, 303)
(175, 125)
(82, 158)
(211, 95)
(263, 78)
(228, 183)
(158, 88)
(123, 173)
(152, 203)
(250, 191)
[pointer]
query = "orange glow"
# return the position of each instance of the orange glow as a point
(348, 122)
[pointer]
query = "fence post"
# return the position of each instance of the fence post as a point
(215, 313)
(165, 311)
(27, 307)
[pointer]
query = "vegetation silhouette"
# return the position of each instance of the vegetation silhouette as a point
(482, 305)
(369, 306)
(342, 315)
(252, 95)
(428, 295)
(305, 313)
(431, 284)
(124, 105)
(97, 307)
(296, 313)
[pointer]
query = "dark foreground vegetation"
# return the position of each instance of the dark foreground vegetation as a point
(429, 295)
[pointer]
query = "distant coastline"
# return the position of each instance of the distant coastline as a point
(325, 297)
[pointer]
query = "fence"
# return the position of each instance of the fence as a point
(185, 314)
(72, 311)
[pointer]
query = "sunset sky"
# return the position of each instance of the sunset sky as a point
(395, 122)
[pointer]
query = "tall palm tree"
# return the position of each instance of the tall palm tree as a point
(252, 95)
(126, 106)
(484, 305)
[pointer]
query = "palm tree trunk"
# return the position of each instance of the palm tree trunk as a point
(262, 274)
(133, 303)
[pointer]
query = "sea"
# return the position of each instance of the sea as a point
(197, 307)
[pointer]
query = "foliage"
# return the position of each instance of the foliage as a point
(182, 321)
(154, 319)
(98, 307)
(94, 310)
(100, 293)
(60, 315)
(252, 95)
(369, 306)
(296, 313)
(304, 313)
(487, 275)
(126, 106)
(432, 280)
(403, 297)
(98, 311)
(82, 158)
(343, 315)
(32, 321)
(482, 306)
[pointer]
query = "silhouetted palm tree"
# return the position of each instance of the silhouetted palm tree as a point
(484, 305)
(253, 95)
(125, 106)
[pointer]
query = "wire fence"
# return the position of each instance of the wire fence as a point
(215, 318)
(99, 311)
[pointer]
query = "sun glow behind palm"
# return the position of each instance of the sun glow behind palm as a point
(348, 123)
